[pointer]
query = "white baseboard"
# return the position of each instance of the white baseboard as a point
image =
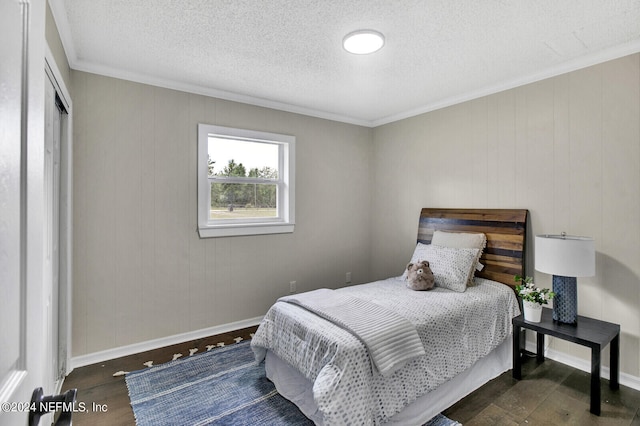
(584, 365)
(95, 357)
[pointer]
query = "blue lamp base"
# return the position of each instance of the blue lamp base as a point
(565, 302)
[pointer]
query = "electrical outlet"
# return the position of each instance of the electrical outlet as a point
(292, 287)
(347, 278)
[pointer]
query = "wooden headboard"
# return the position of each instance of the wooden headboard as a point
(505, 229)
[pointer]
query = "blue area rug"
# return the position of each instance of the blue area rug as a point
(221, 387)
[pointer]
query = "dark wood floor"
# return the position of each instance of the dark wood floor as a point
(97, 387)
(550, 393)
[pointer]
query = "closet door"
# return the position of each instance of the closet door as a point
(54, 111)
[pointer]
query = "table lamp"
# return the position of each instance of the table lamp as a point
(565, 257)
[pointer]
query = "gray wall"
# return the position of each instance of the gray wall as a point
(566, 148)
(140, 270)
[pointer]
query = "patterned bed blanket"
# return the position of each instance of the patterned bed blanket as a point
(456, 330)
(391, 340)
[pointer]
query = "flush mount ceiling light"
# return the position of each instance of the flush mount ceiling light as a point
(362, 42)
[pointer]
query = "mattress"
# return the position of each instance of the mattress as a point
(457, 330)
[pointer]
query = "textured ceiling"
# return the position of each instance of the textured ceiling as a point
(288, 54)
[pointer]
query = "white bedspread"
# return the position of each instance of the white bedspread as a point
(390, 338)
(456, 329)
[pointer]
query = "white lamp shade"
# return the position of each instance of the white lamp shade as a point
(565, 255)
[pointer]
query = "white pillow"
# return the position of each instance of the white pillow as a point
(450, 266)
(462, 240)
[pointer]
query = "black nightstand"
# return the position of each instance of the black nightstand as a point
(589, 332)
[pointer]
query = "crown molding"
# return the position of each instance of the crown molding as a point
(60, 16)
(106, 71)
(595, 58)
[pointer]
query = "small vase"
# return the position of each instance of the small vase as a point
(532, 311)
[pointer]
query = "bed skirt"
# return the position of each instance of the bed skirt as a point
(299, 390)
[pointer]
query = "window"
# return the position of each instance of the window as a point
(245, 182)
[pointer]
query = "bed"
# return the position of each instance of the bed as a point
(337, 377)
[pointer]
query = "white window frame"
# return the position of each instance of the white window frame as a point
(285, 220)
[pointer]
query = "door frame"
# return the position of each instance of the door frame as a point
(23, 27)
(63, 347)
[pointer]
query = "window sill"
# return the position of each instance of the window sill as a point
(244, 230)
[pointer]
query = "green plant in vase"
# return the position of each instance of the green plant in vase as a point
(532, 297)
